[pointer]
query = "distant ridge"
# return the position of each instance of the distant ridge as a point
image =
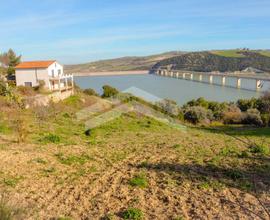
(122, 64)
(214, 60)
(222, 61)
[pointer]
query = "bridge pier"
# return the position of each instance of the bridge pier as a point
(258, 84)
(211, 79)
(199, 77)
(223, 81)
(183, 76)
(238, 83)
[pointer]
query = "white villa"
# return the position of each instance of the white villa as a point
(50, 72)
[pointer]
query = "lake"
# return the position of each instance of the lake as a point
(179, 90)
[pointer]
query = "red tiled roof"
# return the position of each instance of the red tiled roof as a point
(35, 64)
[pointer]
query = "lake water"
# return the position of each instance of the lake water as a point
(179, 90)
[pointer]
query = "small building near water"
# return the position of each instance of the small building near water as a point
(50, 73)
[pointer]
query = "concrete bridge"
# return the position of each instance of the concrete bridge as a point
(187, 75)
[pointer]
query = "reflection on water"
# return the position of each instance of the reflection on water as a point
(176, 89)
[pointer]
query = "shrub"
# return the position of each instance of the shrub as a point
(3, 89)
(265, 119)
(233, 115)
(245, 104)
(181, 116)
(109, 91)
(252, 117)
(234, 174)
(198, 114)
(169, 107)
(77, 88)
(264, 103)
(133, 214)
(90, 92)
(20, 126)
(41, 87)
(218, 109)
(260, 149)
(26, 90)
(199, 102)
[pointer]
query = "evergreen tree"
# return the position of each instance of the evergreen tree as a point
(10, 60)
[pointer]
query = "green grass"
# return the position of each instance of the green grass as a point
(179, 218)
(139, 180)
(50, 138)
(11, 181)
(4, 129)
(8, 212)
(210, 184)
(239, 130)
(73, 159)
(39, 160)
(228, 53)
(264, 52)
(48, 171)
(64, 218)
(133, 214)
(74, 100)
(260, 149)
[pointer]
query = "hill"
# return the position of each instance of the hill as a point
(121, 64)
(223, 61)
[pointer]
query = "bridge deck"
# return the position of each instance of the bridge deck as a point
(222, 74)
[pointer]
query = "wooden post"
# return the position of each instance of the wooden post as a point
(72, 81)
(200, 77)
(66, 81)
(59, 83)
(191, 76)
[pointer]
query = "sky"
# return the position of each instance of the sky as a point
(78, 31)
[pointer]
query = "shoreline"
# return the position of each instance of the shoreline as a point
(113, 73)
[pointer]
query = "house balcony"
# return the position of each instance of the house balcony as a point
(61, 77)
(61, 83)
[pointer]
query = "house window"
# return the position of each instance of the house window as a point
(28, 84)
(59, 72)
(52, 73)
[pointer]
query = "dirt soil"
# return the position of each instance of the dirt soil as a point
(48, 189)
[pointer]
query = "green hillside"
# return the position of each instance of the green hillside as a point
(223, 61)
(227, 53)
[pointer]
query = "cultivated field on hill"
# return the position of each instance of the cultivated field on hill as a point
(133, 167)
